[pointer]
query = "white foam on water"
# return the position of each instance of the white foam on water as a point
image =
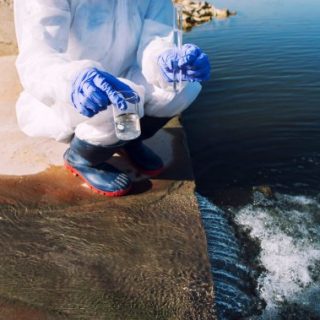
(289, 232)
(303, 200)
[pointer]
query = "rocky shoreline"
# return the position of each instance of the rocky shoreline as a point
(198, 12)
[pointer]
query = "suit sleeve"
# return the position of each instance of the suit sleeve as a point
(157, 36)
(42, 27)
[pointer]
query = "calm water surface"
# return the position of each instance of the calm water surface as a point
(257, 122)
(258, 119)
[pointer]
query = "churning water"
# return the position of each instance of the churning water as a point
(288, 230)
(284, 281)
(257, 123)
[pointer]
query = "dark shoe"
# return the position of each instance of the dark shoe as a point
(151, 125)
(100, 176)
(143, 158)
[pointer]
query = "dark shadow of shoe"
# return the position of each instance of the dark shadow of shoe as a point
(140, 186)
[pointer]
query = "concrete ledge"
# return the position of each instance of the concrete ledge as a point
(66, 253)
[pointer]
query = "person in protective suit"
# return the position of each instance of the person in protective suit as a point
(75, 56)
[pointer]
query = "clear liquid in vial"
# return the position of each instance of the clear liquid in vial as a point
(127, 126)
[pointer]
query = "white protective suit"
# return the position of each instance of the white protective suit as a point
(59, 38)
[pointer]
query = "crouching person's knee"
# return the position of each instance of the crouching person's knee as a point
(174, 105)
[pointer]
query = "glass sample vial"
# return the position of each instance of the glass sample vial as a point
(127, 122)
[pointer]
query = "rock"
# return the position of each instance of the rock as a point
(264, 189)
(223, 13)
(196, 13)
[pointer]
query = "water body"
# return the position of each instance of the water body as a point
(257, 123)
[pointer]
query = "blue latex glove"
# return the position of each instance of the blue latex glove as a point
(94, 90)
(189, 62)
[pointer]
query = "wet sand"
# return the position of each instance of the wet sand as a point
(65, 251)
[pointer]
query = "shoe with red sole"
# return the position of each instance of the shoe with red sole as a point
(143, 158)
(101, 177)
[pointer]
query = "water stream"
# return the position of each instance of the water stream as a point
(234, 280)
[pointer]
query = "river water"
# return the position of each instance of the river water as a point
(257, 123)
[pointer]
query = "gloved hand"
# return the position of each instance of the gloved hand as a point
(94, 90)
(190, 61)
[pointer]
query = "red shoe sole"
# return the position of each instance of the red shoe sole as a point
(150, 173)
(118, 193)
